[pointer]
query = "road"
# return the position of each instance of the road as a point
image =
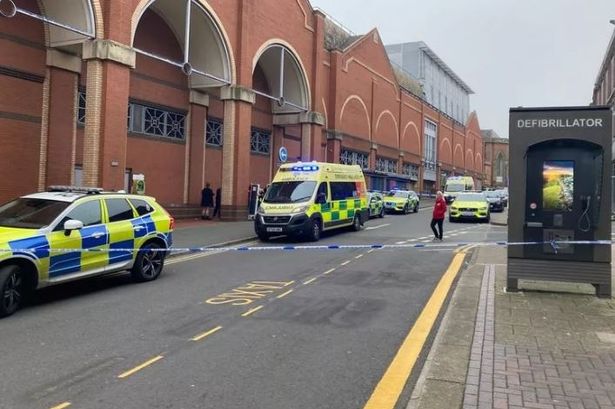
(290, 329)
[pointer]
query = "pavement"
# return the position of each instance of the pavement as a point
(551, 346)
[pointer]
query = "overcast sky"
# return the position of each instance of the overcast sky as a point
(510, 52)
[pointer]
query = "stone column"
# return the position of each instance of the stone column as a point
(105, 136)
(334, 147)
(58, 159)
(238, 103)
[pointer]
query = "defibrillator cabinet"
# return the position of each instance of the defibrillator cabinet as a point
(559, 225)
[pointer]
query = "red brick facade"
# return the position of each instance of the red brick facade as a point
(352, 99)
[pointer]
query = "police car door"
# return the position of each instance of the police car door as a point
(121, 233)
(93, 237)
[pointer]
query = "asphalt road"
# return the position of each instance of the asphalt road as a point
(290, 329)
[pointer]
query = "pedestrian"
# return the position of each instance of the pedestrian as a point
(218, 203)
(439, 212)
(207, 201)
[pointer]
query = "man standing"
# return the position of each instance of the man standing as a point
(207, 202)
(439, 212)
(218, 203)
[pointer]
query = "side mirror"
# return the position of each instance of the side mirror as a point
(321, 198)
(71, 225)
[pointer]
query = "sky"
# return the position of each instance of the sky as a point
(510, 52)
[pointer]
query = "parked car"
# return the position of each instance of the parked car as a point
(470, 206)
(494, 198)
(402, 201)
(375, 202)
(503, 193)
(40, 230)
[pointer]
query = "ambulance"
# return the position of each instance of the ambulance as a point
(306, 199)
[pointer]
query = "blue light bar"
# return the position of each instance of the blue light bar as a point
(305, 168)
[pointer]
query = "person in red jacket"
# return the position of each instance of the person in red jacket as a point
(439, 212)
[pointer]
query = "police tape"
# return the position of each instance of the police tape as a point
(555, 245)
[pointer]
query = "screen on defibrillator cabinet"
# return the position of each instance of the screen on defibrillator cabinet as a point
(562, 198)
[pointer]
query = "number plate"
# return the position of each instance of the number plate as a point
(467, 214)
(274, 230)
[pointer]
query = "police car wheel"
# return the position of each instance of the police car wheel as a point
(381, 215)
(11, 290)
(416, 208)
(149, 263)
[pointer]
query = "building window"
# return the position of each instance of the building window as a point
(429, 152)
(81, 108)
(156, 121)
(214, 132)
(260, 141)
(348, 157)
(410, 169)
(386, 165)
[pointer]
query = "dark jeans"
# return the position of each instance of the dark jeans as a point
(439, 222)
(217, 211)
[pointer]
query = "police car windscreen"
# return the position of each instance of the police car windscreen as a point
(398, 193)
(290, 192)
(30, 213)
(471, 197)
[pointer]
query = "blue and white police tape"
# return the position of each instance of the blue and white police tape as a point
(555, 245)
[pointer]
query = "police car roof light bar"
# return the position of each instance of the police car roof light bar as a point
(75, 189)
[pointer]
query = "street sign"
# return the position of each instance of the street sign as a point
(283, 154)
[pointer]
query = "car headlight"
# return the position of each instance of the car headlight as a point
(482, 208)
(260, 210)
(300, 209)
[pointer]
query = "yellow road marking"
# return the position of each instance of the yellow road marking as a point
(389, 388)
(359, 256)
(206, 334)
(284, 294)
(345, 263)
(252, 311)
(139, 367)
(328, 271)
(310, 281)
(62, 405)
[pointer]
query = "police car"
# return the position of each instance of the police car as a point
(70, 233)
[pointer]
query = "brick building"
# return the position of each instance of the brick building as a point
(496, 159)
(194, 91)
(604, 86)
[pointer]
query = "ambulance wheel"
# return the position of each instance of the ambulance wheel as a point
(356, 223)
(315, 230)
(263, 236)
(12, 290)
(149, 263)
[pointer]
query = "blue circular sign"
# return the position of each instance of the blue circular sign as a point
(283, 154)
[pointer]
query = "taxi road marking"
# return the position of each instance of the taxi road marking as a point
(249, 292)
(310, 281)
(345, 263)
(332, 270)
(252, 311)
(62, 405)
(206, 334)
(377, 227)
(139, 367)
(389, 388)
(359, 256)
